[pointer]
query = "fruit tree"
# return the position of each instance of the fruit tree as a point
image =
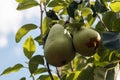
(80, 40)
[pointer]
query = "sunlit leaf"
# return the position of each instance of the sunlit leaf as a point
(29, 47)
(23, 31)
(19, 1)
(26, 4)
(34, 62)
(73, 75)
(58, 8)
(115, 6)
(46, 25)
(15, 68)
(47, 77)
(40, 70)
(86, 11)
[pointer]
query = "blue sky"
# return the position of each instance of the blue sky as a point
(11, 52)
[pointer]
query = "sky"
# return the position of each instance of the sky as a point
(11, 53)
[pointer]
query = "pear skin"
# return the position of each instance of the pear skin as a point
(86, 41)
(58, 48)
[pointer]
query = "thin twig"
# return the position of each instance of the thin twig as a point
(105, 27)
(33, 78)
(49, 71)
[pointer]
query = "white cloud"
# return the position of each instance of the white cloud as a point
(3, 41)
(11, 19)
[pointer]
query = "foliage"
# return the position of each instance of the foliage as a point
(101, 15)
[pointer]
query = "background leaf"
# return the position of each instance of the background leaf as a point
(15, 68)
(23, 31)
(29, 47)
(115, 6)
(26, 4)
(34, 62)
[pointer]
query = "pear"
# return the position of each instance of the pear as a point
(58, 49)
(86, 41)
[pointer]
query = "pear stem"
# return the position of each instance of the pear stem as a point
(41, 20)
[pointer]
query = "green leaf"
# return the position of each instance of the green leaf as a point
(57, 3)
(26, 4)
(99, 73)
(34, 62)
(47, 77)
(115, 6)
(15, 68)
(57, 8)
(71, 9)
(19, 1)
(46, 25)
(23, 78)
(29, 47)
(73, 75)
(40, 70)
(39, 39)
(86, 12)
(86, 74)
(110, 75)
(23, 31)
(100, 6)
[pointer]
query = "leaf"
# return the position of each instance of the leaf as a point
(86, 74)
(57, 8)
(57, 3)
(29, 47)
(40, 70)
(51, 14)
(47, 77)
(99, 73)
(19, 1)
(111, 40)
(100, 6)
(34, 62)
(71, 9)
(46, 25)
(73, 75)
(15, 68)
(26, 4)
(110, 75)
(23, 31)
(23, 78)
(115, 6)
(39, 39)
(86, 11)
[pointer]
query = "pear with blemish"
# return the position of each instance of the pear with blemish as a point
(58, 48)
(86, 41)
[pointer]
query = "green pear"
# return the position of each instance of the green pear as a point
(58, 48)
(86, 41)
